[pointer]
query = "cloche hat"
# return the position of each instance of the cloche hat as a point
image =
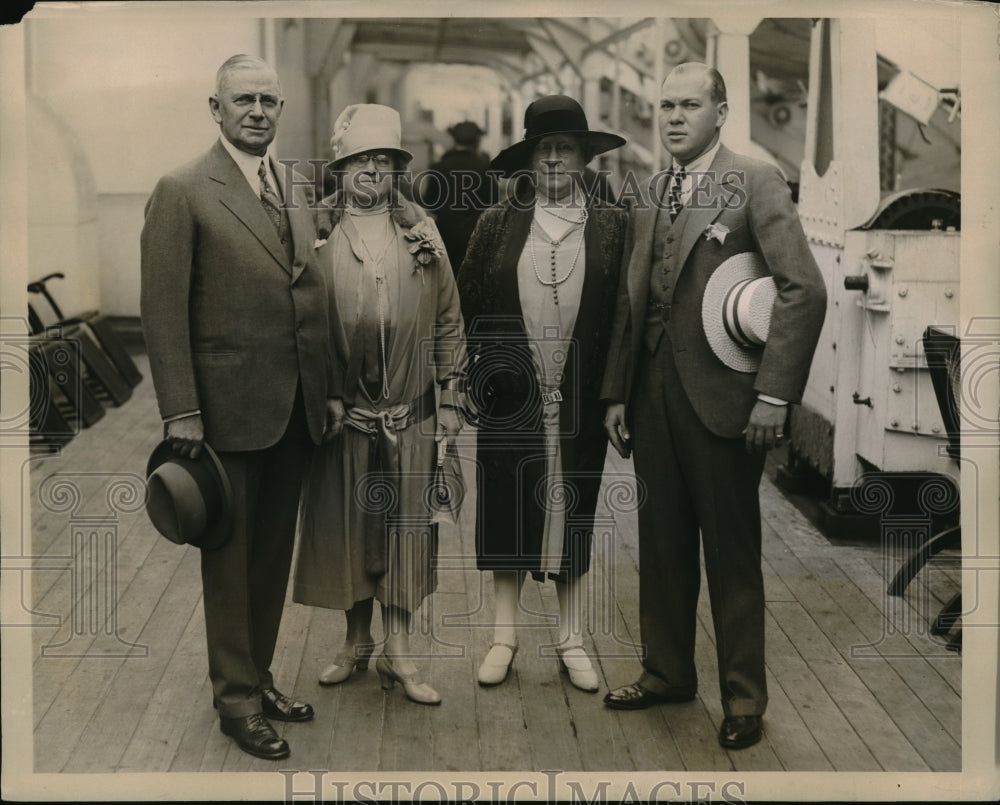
(189, 500)
(366, 127)
(552, 114)
(736, 310)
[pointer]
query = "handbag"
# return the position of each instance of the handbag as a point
(447, 490)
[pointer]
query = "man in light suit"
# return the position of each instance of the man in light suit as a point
(235, 315)
(701, 429)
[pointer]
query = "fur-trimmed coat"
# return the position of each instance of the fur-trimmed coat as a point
(503, 387)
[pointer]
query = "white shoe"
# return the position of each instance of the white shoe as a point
(496, 666)
(575, 662)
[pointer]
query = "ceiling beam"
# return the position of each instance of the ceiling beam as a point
(568, 41)
(617, 36)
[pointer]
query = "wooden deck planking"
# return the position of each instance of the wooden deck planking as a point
(904, 701)
(452, 672)
(347, 726)
(109, 731)
(77, 685)
(836, 735)
(854, 699)
(553, 739)
(649, 743)
(201, 724)
(175, 704)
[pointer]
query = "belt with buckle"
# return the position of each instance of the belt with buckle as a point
(549, 397)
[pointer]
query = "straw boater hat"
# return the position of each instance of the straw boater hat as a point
(553, 114)
(367, 127)
(189, 500)
(736, 311)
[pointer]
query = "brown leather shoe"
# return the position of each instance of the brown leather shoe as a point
(636, 697)
(255, 736)
(739, 732)
(278, 706)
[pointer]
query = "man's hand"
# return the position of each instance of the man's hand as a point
(766, 427)
(614, 424)
(186, 435)
(449, 424)
(336, 414)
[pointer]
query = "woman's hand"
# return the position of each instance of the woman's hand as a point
(449, 423)
(335, 416)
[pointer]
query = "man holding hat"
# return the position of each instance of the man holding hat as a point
(717, 319)
(235, 315)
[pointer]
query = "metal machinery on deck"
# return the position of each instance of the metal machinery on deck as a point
(891, 264)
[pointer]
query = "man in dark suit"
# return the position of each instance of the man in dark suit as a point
(700, 427)
(235, 315)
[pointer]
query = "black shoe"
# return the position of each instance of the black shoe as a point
(636, 697)
(278, 706)
(255, 736)
(739, 732)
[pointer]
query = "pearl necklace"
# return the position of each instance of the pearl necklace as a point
(581, 218)
(556, 281)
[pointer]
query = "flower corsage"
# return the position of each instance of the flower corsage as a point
(717, 232)
(424, 244)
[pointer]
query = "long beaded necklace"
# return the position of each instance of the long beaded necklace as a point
(381, 300)
(556, 281)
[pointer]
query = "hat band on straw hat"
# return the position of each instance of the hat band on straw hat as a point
(736, 310)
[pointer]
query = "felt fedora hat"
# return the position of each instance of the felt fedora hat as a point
(736, 310)
(552, 114)
(189, 500)
(367, 127)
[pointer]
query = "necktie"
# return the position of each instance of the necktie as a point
(272, 205)
(674, 204)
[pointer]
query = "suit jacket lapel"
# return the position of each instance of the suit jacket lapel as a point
(241, 202)
(302, 232)
(640, 263)
(710, 200)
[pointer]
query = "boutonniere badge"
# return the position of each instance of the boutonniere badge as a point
(716, 232)
(424, 244)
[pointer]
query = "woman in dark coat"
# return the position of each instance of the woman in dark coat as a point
(537, 287)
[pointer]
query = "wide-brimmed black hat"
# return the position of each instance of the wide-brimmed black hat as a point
(189, 500)
(553, 114)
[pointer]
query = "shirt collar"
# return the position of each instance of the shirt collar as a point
(702, 163)
(249, 164)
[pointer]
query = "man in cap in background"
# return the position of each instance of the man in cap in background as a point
(458, 188)
(702, 421)
(235, 315)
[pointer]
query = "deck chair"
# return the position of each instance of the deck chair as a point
(99, 325)
(943, 352)
(101, 373)
(60, 401)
